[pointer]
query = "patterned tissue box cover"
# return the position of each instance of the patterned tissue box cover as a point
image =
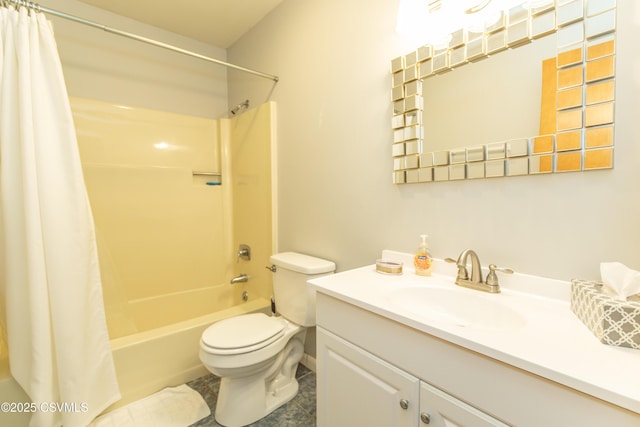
(613, 322)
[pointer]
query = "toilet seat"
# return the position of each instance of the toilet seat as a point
(242, 334)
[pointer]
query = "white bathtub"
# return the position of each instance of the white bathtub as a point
(148, 361)
(152, 360)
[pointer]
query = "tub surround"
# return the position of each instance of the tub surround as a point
(551, 342)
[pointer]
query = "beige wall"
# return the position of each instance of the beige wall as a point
(103, 66)
(336, 199)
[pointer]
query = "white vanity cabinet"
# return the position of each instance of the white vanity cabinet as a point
(359, 389)
(371, 365)
(356, 388)
(439, 409)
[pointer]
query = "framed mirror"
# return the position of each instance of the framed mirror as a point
(531, 93)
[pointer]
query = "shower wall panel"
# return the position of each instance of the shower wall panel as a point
(251, 159)
(164, 233)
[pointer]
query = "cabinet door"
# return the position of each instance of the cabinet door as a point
(438, 409)
(356, 388)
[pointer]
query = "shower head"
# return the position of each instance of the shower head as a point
(240, 107)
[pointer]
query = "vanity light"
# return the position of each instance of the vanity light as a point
(434, 21)
(423, 20)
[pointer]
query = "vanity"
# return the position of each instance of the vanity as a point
(406, 350)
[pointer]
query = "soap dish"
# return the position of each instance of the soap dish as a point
(388, 267)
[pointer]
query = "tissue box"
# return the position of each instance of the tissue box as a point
(613, 322)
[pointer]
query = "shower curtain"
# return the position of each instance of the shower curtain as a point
(59, 348)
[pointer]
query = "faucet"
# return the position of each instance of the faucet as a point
(476, 268)
(240, 279)
(491, 285)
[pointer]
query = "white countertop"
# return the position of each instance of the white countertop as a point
(552, 342)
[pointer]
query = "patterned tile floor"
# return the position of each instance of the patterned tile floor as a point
(298, 412)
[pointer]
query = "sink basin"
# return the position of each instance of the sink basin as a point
(457, 307)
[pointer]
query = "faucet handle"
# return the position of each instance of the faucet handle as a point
(244, 252)
(462, 269)
(492, 277)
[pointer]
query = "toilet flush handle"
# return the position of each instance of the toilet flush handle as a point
(271, 268)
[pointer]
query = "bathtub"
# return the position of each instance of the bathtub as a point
(149, 361)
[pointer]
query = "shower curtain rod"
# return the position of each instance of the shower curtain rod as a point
(83, 21)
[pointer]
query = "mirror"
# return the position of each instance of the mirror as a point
(532, 94)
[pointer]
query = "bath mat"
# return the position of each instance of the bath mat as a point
(172, 407)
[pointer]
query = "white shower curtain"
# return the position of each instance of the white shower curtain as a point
(59, 348)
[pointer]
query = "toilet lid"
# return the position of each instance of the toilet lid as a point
(241, 334)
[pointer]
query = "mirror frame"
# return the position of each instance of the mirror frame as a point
(578, 97)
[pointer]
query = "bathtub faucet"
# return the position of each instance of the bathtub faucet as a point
(240, 279)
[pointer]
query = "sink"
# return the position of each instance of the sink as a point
(457, 307)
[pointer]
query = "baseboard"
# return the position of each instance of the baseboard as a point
(309, 362)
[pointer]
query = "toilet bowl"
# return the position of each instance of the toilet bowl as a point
(256, 355)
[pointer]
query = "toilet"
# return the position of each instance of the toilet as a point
(256, 355)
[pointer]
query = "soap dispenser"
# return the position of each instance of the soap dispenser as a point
(423, 261)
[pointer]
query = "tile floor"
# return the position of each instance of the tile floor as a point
(299, 412)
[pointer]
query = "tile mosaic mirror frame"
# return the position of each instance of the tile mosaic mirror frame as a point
(576, 129)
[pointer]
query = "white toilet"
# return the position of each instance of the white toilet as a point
(256, 355)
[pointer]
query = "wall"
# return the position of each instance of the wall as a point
(336, 199)
(106, 67)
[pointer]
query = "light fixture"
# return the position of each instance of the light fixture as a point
(433, 21)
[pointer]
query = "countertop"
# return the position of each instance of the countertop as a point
(551, 342)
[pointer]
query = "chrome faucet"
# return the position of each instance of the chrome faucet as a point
(240, 279)
(491, 285)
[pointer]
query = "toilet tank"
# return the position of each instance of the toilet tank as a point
(295, 300)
